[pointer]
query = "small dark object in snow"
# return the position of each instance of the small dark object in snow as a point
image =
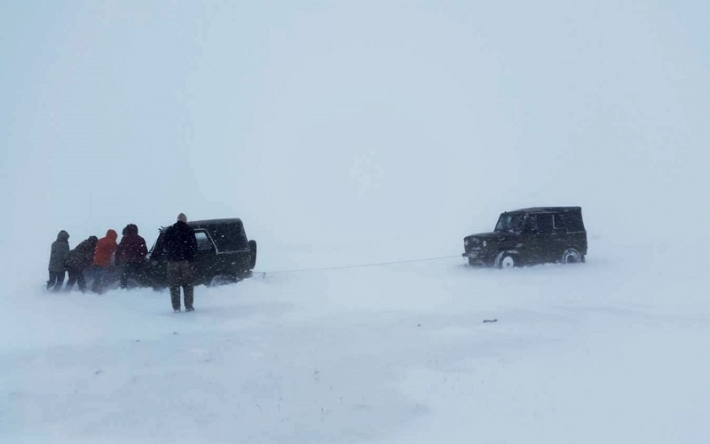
(138, 340)
(490, 320)
(419, 325)
(98, 372)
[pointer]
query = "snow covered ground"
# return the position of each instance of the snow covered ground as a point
(608, 351)
(347, 133)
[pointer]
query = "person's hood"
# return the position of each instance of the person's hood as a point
(111, 234)
(63, 236)
(131, 229)
(93, 240)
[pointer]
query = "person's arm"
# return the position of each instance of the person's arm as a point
(64, 253)
(193, 245)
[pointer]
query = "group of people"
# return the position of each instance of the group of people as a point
(96, 257)
(99, 257)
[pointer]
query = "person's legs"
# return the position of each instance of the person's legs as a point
(174, 284)
(73, 276)
(52, 280)
(59, 281)
(187, 286)
(80, 280)
(125, 270)
(132, 271)
(189, 291)
(98, 285)
(175, 297)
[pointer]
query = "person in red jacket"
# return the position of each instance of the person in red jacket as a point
(103, 259)
(131, 254)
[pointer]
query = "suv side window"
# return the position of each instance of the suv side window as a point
(544, 223)
(204, 243)
(558, 223)
(531, 225)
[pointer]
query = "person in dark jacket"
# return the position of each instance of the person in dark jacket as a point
(131, 254)
(180, 248)
(103, 260)
(80, 258)
(57, 261)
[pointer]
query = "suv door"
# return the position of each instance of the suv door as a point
(205, 259)
(559, 239)
(538, 238)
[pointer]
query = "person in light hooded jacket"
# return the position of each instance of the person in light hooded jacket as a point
(57, 261)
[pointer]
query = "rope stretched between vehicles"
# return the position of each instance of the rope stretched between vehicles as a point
(345, 267)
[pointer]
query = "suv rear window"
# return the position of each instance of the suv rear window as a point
(573, 222)
(229, 237)
(558, 223)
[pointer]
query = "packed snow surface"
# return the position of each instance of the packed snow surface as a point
(608, 351)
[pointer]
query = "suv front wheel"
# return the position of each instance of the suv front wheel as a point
(506, 259)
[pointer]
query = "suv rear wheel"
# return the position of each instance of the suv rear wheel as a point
(572, 256)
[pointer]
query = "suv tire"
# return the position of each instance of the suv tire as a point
(252, 254)
(506, 259)
(572, 256)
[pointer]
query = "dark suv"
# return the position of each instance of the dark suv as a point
(224, 254)
(530, 236)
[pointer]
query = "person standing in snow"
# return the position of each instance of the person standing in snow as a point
(80, 258)
(103, 258)
(131, 254)
(57, 261)
(181, 247)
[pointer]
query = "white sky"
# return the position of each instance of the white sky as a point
(359, 122)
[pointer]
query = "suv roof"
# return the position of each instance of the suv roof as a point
(208, 222)
(547, 210)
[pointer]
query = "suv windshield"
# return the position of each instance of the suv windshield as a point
(509, 222)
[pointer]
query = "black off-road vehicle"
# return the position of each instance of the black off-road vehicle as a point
(530, 236)
(224, 254)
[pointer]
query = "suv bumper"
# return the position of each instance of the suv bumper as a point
(474, 257)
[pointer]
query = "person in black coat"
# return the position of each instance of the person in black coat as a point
(57, 261)
(181, 248)
(80, 258)
(131, 254)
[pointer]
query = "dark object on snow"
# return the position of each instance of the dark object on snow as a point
(530, 236)
(57, 261)
(485, 321)
(223, 255)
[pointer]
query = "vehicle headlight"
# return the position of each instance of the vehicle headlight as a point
(466, 242)
(485, 244)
